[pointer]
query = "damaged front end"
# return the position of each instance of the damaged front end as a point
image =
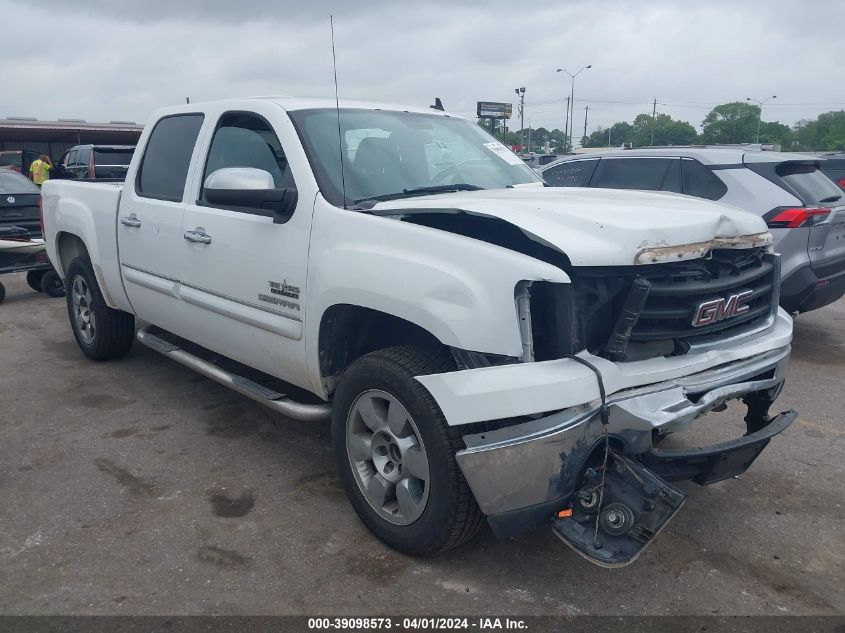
(593, 470)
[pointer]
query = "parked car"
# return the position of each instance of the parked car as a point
(98, 162)
(536, 161)
(834, 168)
(21, 246)
(19, 202)
(330, 274)
(18, 160)
(802, 207)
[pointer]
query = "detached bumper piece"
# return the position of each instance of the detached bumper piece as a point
(718, 462)
(611, 523)
(617, 513)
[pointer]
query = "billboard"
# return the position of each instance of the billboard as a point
(494, 109)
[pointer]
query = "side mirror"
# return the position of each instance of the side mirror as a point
(250, 190)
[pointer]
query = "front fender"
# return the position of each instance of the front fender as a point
(459, 289)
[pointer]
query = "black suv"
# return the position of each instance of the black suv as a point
(99, 162)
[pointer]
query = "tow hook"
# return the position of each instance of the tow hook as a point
(611, 523)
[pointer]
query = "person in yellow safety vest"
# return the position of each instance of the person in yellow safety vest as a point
(39, 170)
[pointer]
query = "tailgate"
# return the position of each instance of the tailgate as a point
(827, 244)
(21, 209)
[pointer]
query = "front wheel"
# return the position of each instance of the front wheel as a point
(396, 453)
(101, 332)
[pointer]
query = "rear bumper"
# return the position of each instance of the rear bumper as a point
(521, 474)
(803, 290)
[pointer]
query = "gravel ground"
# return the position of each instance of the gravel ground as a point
(138, 487)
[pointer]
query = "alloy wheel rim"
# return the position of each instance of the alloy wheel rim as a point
(82, 314)
(388, 457)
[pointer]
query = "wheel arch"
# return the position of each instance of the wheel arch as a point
(69, 246)
(349, 331)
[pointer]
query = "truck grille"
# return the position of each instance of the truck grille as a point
(677, 291)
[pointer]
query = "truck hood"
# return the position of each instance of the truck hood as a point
(602, 227)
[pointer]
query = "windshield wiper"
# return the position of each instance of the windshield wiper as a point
(414, 191)
(830, 199)
(458, 186)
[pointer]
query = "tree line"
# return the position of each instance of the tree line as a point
(727, 123)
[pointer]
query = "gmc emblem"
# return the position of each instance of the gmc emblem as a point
(720, 309)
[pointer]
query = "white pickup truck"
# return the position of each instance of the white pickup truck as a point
(485, 346)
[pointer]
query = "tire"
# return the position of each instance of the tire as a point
(442, 512)
(2, 292)
(34, 277)
(101, 332)
(52, 285)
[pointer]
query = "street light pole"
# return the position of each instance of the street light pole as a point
(566, 128)
(760, 113)
(520, 92)
(572, 99)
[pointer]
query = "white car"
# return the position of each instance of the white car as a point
(486, 347)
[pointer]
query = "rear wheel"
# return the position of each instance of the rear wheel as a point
(101, 332)
(2, 292)
(33, 278)
(52, 284)
(396, 454)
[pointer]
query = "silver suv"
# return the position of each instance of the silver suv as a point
(803, 208)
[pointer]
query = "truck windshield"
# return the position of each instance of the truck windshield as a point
(389, 154)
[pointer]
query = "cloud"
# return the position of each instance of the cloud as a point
(102, 60)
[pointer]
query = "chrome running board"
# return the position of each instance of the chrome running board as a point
(279, 402)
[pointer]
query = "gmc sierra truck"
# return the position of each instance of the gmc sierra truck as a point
(485, 347)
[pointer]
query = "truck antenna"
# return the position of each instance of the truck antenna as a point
(337, 109)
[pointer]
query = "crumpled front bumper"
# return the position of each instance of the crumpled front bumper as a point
(521, 474)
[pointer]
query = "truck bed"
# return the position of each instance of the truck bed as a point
(88, 210)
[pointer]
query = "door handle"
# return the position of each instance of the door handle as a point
(198, 237)
(130, 220)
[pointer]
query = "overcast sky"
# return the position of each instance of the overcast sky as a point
(103, 60)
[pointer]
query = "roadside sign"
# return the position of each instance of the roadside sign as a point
(494, 109)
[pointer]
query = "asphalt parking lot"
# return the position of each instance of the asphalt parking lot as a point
(138, 487)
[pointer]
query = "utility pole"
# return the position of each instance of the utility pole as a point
(529, 135)
(520, 92)
(653, 115)
(609, 132)
(566, 130)
(586, 110)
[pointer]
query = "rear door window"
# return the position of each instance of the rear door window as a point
(649, 174)
(811, 185)
(164, 167)
(576, 173)
(112, 157)
(700, 182)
